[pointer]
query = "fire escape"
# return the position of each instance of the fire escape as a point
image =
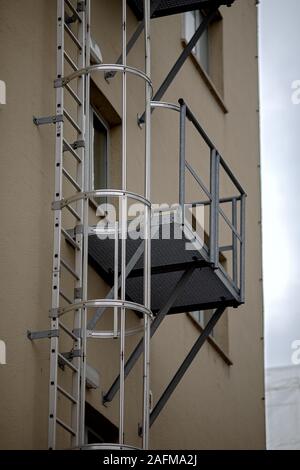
(151, 276)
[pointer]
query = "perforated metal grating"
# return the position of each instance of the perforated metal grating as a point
(172, 7)
(207, 288)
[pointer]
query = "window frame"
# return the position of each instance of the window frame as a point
(216, 90)
(198, 18)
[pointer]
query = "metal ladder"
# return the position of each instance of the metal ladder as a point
(72, 52)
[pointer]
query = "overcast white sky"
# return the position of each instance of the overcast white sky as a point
(280, 138)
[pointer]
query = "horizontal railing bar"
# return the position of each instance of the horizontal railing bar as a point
(72, 180)
(69, 148)
(72, 121)
(230, 224)
(222, 200)
(73, 94)
(65, 297)
(73, 9)
(68, 331)
(198, 179)
(67, 362)
(65, 426)
(72, 36)
(70, 61)
(69, 238)
(67, 394)
(68, 268)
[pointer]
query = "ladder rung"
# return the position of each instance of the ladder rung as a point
(67, 362)
(65, 297)
(71, 179)
(68, 268)
(67, 394)
(73, 94)
(72, 121)
(65, 426)
(74, 213)
(68, 148)
(72, 36)
(68, 331)
(73, 9)
(70, 62)
(69, 238)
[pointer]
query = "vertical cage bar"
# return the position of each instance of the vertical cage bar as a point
(242, 245)
(214, 207)
(116, 278)
(147, 253)
(182, 138)
(57, 231)
(123, 225)
(85, 227)
(234, 243)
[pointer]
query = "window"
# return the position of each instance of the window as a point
(193, 19)
(208, 51)
(202, 317)
(99, 152)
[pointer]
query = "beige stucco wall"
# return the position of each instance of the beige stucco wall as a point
(215, 406)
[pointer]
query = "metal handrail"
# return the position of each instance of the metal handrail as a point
(214, 201)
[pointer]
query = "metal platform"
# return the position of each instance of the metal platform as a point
(173, 7)
(207, 288)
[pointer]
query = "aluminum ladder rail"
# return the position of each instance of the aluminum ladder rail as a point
(72, 22)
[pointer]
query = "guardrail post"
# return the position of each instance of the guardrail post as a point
(214, 207)
(242, 252)
(234, 243)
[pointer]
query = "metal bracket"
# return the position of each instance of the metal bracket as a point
(56, 205)
(77, 332)
(54, 312)
(58, 83)
(78, 144)
(78, 293)
(70, 19)
(78, 230)
(81, 7)
(48, 120)
(71, 354)
(32, 335)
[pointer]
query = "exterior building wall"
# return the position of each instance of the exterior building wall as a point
(216, 405)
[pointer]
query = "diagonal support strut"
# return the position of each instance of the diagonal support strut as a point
(154, 326)
(185, 364)
(133, 39)
(130, 265)
(182, 58)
